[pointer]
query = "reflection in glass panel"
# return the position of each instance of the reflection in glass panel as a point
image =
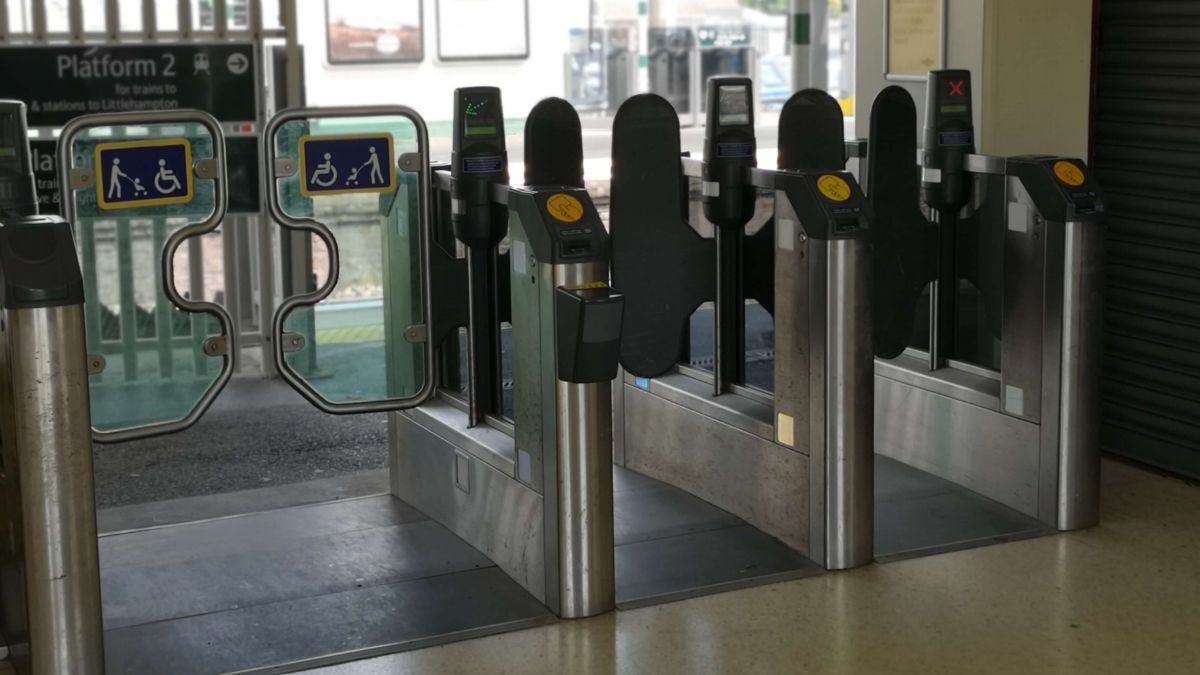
(507, 400)
(156, 368)
(760, 347)
(701, 339)
(353, 345)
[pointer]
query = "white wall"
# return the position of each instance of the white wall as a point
(964, 49)
(428, 86)
(1030, 62)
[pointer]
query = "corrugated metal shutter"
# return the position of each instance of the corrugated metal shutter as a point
(1146, 153)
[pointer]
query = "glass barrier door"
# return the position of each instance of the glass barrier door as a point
(355, 180)
(140, 186)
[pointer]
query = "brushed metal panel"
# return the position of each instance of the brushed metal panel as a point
(765, 484)
(484, 442)
(912, 368)
(743, 412)
(499, 516)
(1022, 331)
(990, 453)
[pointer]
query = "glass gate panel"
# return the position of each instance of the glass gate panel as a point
(354, 183)
(144, 187)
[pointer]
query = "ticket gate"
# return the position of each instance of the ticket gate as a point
(793, 466)
(986, 333)
(533, 492)
(284, 588)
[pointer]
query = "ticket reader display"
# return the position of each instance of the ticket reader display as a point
(479, 161)
(729, 151)
(945, 188)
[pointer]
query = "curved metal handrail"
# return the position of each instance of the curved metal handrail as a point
(318, 228)
(221, 201)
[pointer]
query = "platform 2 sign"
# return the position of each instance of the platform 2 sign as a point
(137, 174)
(346, 164)
(61, 82)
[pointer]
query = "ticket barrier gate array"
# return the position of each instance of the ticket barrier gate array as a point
(795, 465)
(987, 328)
(540, 529)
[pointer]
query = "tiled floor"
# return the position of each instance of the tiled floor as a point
(1123, 598)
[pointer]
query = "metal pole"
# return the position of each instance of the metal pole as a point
(801, 28)
(849, 408)
(54, 447)
(584, 489)
(818, 54)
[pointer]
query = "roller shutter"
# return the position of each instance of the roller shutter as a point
(1146, 154)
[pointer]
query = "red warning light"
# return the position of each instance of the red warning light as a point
(957, 87)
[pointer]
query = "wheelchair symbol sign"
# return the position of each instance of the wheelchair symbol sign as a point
(343, 164)
(137, 174)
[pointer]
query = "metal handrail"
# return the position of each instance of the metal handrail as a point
(319, 229)
(221, 200)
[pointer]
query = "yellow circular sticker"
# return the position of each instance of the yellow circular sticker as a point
(1068, 173)
(834, 187)
(564, 207)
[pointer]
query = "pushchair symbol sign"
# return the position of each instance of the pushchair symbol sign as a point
(137, 174)
(346, 164)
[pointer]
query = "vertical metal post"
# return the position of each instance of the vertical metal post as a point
(849, 407)
(220, 18)
(164, 332)
(128, 316)
(112, 19)
(185, 19)
(584, 489)
(295, 61)
(196, 293)
(149, 19)
(75, 20)
(54, 446)
(255, 18)
(818, 54)
(1082, 346)
(38, 14)
(801, 31)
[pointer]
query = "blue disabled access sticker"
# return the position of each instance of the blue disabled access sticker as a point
(135, 174)
(344, 164)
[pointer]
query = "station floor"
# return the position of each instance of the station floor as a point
(1123, 597)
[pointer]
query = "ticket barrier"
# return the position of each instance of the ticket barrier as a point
(534, 492)
(792, 467)
(49, 574)
(239, 593)
(987, 320)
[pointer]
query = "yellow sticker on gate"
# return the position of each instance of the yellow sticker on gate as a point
(1068, 173)
(835, 188)
(564, 208)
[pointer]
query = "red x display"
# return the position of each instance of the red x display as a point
(957, 88)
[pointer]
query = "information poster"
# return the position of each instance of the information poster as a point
(482, 29)
(914, 37)
(373, 32)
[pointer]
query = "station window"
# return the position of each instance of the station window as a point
(373, 32)
(688, 41)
